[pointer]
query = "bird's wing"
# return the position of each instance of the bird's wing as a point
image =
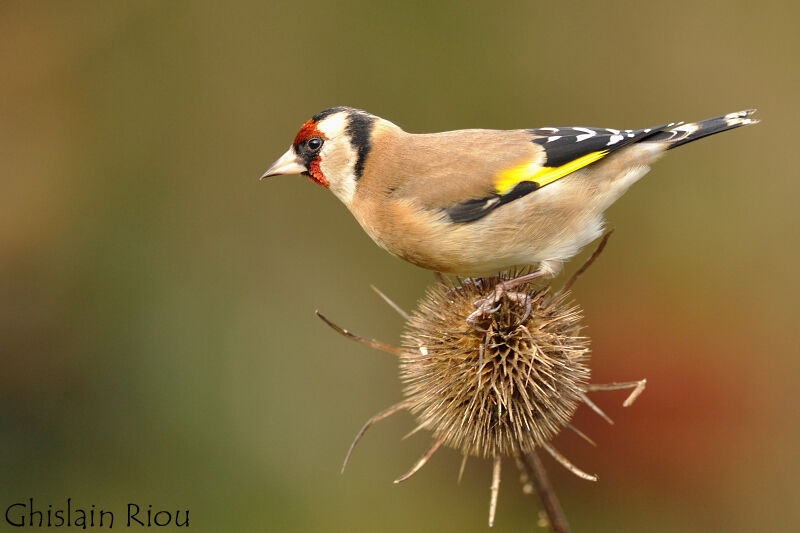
(559, 152)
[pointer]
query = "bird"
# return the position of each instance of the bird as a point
(477, 201)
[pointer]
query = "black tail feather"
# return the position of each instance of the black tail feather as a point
(686, 133)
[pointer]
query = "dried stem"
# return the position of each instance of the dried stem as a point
(394, 350)
(536, 473)
(524, 477)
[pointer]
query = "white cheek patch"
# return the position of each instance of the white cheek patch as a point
(337, 163)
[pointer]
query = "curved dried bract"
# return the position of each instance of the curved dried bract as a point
(421, 462)
(380, 416)
(637, 386)
(391, 304)
(394, 350)
(495, 489)
(585, 266)
(596, 409)
(567, 464)
(462, 467)
(581, 434)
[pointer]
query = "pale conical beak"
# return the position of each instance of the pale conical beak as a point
(286, 164)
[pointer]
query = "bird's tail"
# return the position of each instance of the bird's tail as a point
(680, 134)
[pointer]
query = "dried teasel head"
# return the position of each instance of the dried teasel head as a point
(502, 386)
(502, 391)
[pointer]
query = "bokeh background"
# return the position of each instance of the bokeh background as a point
(158, 342)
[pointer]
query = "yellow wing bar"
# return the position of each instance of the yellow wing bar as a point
(508, 179)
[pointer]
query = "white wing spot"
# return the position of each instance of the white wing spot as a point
(583, 137)
(553, 138)
(614, 139)
(688, 128)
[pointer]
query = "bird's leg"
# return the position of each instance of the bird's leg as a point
(490, 304)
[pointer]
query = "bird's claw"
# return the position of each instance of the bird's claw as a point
(485, 307)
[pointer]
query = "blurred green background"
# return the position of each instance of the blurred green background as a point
(157, 332)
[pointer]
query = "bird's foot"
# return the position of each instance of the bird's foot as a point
(485, 307)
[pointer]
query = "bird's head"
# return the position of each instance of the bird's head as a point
(330, 149)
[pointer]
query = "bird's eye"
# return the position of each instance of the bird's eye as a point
(315, 143)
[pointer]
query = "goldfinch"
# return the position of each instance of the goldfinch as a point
(472, 202)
